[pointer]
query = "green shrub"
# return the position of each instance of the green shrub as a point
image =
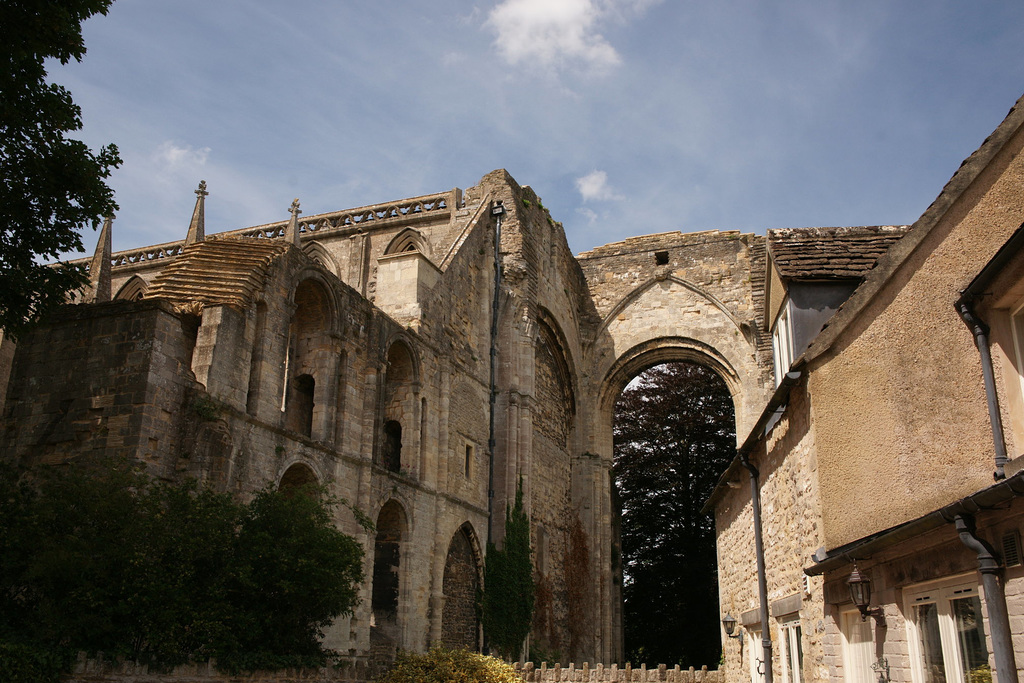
(442, 665)
(101, 558)
(26, 664)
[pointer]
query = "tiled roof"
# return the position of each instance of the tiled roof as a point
(218, 272)
(831, 252)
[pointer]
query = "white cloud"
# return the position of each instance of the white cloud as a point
(548, 32)
(589, 214)
(173, 157)
(594, 187)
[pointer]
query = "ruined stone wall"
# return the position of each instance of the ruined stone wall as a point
(304, 370)
(121, 388)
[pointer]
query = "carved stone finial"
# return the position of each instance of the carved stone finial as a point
(99, 268)
(291, 232)
(197, 228)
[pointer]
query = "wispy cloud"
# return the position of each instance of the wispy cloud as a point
(548, 33)
(594, 187)
(173, 157)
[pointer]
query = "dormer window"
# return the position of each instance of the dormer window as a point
(782, 343)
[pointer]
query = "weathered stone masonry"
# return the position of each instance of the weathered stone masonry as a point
(352, 348)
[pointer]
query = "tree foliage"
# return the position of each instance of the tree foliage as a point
(674, 436)
(103, 559)
(508, 596)
(52, 186)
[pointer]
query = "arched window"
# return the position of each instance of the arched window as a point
(400, 406)
(460, 626)
(133, 290)
(296, 477)
(310, 349)
(405, 241)
(299, 406)
(387, 547)
(392, 455)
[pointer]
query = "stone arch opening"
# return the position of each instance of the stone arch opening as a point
(400, 409)
(392, 530)
(309, 359)
(673, 424)
(297, 477)
(460, 624)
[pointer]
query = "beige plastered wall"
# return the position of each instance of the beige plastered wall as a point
(881, 463)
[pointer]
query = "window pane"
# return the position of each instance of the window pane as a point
(796, 653)
(858, 649)
(933, 666)
(970, 635)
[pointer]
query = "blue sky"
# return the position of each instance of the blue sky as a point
(626, 116)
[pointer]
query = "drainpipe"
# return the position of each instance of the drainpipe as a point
(497, 211)
(980, 331)
(762, 579)
(995, 599)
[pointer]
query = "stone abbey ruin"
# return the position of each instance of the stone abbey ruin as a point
(422, 357)
(353, 348)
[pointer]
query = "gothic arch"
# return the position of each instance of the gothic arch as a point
(460, 626)
(400, 409)
(323, 258)
(407, 240)
(641, 289)
(132, 290)
(311, 359)
(386, 591)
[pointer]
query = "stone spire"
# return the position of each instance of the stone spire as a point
(99, 267)
(291, 233)
(197, 228)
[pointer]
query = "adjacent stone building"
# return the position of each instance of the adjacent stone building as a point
(355, 349)
(889, 452)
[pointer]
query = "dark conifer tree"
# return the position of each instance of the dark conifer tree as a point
(675, 433)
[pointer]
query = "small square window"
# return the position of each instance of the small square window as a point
(661, 258)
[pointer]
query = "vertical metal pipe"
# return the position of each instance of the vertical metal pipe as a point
(762, 578)
(980, 331)
(995, 600)
(497, 211)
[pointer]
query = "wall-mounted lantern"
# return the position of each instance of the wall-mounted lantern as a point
(860, 593)
(729, 622)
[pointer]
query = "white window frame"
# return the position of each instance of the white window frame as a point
(782, 343)
(858, 653)
(941, 593)
(1017, 326)
(791, 649)
(755, 652)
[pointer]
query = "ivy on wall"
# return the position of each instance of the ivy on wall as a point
(508, 596)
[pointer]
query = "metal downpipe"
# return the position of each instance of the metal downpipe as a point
(762, 578)
(980, 331)
(995, 599)
(497, 211)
